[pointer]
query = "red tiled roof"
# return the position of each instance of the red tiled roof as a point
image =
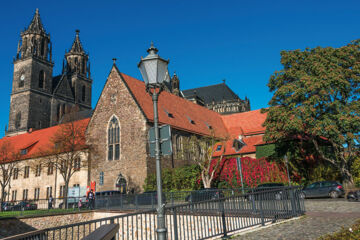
(245, 123)
(37, 142)
(182, 110)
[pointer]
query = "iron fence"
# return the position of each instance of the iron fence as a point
(197, 220)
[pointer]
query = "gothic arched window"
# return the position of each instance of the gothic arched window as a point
(18, 120)
(41, 79)
(83, 93)
(113, 139)
(42, 47)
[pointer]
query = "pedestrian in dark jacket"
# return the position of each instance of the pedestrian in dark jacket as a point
(91, 198)
(50, 202)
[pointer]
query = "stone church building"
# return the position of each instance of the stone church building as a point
(116, 131)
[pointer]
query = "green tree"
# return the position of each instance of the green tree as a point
(316, 100)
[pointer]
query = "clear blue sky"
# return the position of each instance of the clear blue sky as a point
(206, 41)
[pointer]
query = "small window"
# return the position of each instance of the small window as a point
(26, 171)
(36, 193)
(170, 115)
(13, 195)
(38, 170)
(77, 164)
(48, 192)
(50, 168)
(208, 125)
(76, 185)
(23, 151)
(25, 194)
(218, 148)
(15, 173)
(190, 120)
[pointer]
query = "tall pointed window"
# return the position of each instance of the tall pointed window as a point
(41, 79)
(83, 93)
(18, 120)
(114, 140)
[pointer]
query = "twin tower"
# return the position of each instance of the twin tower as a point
(39, 99)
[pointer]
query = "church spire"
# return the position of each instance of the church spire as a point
(35, 42)
(77, 60)
(35, 25)
(76, 46)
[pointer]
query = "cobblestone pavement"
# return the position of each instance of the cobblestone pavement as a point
(323, 216)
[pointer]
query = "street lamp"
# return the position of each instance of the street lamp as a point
(154, 72)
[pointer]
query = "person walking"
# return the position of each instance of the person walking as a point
(50, 202)
(91, 197)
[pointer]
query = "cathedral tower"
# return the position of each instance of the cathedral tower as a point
(77, 69)
(32, 80)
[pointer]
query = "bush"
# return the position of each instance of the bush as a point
(254, 171)
(176, 179)
(351, 233)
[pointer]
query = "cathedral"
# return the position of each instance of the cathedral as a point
(40, 99)
(115, 146)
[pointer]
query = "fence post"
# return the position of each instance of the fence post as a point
(252, 195)
(136, 202)
(293, 205)
(175, 225)
(222, 210)
(261, 209)
(172, 198)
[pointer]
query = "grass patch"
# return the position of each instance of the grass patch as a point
(39, 212)
(352, 233)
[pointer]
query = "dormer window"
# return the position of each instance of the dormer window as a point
(208, 125)
(218, 148)
(190, 120)
(170, 115)
(23, 151)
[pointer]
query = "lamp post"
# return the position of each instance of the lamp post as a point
(238, 144)
(154, 72)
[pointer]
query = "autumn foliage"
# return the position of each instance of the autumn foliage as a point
(254, 171)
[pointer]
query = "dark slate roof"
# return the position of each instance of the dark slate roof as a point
(217, 93)
(56, 81)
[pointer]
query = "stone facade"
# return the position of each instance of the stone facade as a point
(27, 183)
(116, 101)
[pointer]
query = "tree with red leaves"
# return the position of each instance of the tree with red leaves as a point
(8, 163)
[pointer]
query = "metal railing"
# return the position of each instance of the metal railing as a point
(199, 220)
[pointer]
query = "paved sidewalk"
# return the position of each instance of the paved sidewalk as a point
(323, 216)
